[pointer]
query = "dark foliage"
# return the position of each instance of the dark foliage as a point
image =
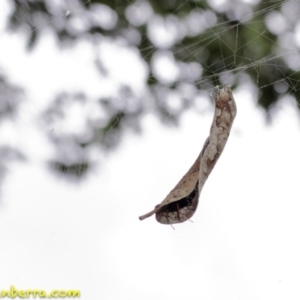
(224, 44)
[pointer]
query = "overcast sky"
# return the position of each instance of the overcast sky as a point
(243, 242)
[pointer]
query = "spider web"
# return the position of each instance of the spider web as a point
(78, 127)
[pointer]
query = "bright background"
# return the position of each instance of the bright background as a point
(243, 242)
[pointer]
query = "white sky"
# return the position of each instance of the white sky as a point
(244, 239)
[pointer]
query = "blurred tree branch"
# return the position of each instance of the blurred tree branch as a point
(208, 46)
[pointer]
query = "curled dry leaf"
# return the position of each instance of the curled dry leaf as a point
(181, 203)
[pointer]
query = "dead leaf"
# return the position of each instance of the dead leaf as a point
(181, 203)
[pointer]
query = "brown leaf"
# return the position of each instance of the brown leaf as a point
(181, 203)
